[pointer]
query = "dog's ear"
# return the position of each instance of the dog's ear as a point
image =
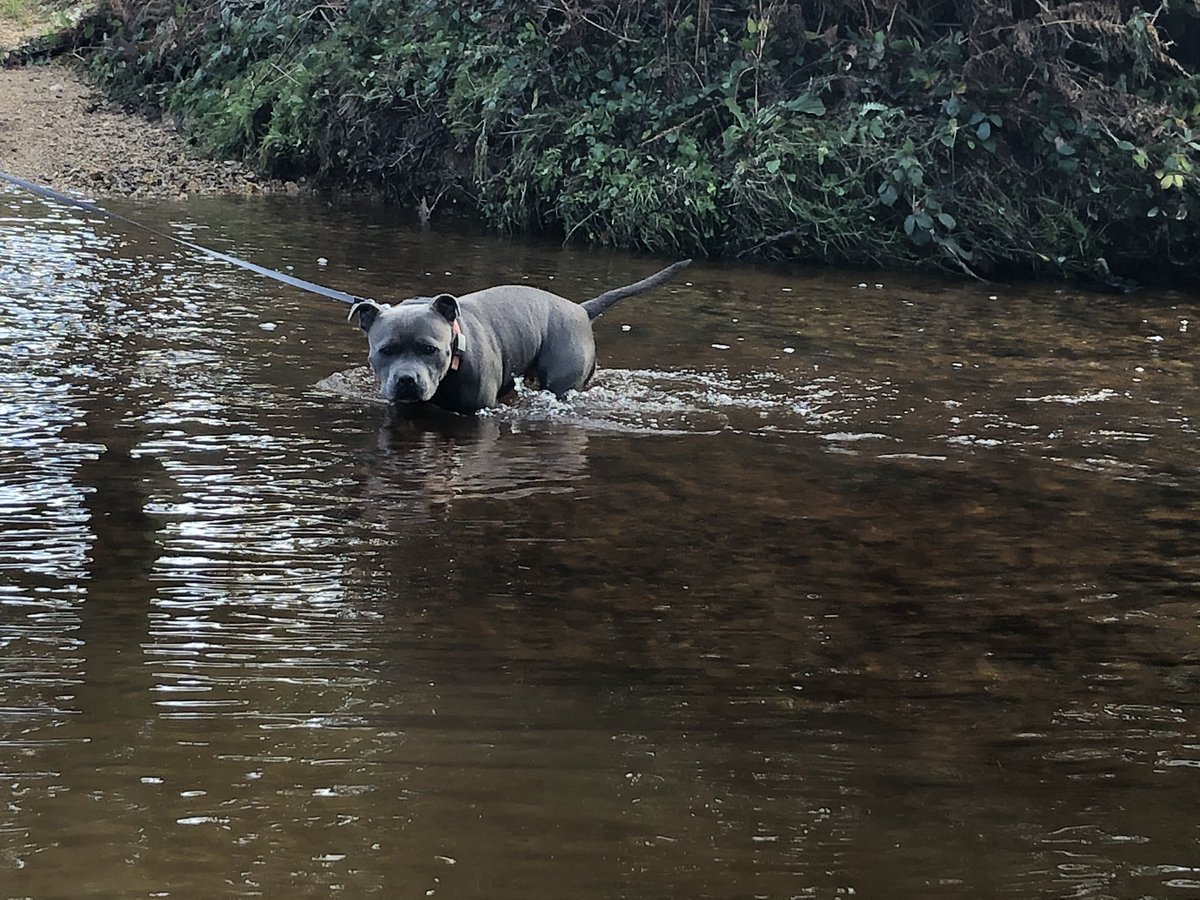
(366, 310)
(446, 306)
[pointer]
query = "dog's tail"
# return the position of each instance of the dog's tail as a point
(597, 305)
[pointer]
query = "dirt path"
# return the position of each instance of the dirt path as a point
(57, 130)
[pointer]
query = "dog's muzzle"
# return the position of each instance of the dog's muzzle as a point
(406, 389)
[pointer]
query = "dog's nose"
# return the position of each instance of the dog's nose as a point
(405, 388)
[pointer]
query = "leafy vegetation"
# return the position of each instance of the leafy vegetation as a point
(987, 136)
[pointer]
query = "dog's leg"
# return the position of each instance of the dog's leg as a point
(566, 367)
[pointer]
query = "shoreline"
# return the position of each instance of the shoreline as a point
(60, 131)
(903, 153)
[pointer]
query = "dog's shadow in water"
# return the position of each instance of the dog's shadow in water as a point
(425, 461)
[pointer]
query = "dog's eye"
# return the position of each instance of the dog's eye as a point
(388, 350)
(427, 349)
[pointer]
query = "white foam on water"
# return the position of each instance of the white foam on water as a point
(652, 401)
(357, 384)
(851, 417)
(666, 402)
(1098, 396)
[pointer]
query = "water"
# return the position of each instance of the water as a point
(835, 584)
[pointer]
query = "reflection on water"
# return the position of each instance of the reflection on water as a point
(823, 589)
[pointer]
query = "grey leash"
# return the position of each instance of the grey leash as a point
(68, 200)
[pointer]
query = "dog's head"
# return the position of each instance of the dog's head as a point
(412, 346)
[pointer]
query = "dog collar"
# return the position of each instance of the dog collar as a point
(458, 347)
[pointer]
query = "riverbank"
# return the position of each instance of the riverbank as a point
(59, 131)
(1055, 143)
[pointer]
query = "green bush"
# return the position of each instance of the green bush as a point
(1055, 142)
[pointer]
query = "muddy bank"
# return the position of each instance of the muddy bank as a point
(57, 130)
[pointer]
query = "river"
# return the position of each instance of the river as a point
(834, 584)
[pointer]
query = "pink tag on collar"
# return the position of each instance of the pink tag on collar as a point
(458, 347)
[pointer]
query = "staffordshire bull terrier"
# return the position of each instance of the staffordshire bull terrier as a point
(463, 354)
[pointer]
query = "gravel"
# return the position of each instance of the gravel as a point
(59, 131)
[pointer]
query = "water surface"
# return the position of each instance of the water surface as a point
(834, 584)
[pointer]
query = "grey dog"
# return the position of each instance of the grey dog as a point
(465, 353)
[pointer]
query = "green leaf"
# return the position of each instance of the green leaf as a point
(809, 104)
(888, 194)
(947, 220)
(773, 166)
